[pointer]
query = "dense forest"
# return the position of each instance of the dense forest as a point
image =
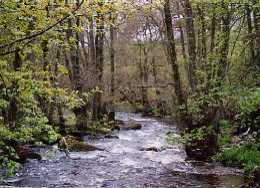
(68, 67)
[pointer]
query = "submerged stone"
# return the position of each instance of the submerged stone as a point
(154, 149)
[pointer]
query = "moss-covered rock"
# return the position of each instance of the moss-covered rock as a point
(74, 144)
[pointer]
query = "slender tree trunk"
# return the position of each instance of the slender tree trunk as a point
(191, 38)
(181, 32)
(256, 16)
(250, 31)
(145, 77)
(76, 58)
(45, 53)
(213, 33)
(99, 41)
(62, 128)
(12, 110)
(92, 41)
(141, 69)
(112, 56)
(67, 56)
(224, 42)
(203, 39)
(171, 52)
(84, 50)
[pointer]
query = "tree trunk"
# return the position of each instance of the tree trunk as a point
(92, 41)
(181, 33)
(224, 42)
(61, 120)
(191, 38)
(203, 37)
(85, 52)
(12, 111)
(256, 16)
(213, 32)
(145, 77)
(99, 41)
(171, 52)
(76, 58)
(250, 32)
(142, 75)
(112, 56)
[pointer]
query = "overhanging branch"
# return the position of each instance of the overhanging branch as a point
(43, 31)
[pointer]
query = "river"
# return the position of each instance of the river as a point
(137, 159)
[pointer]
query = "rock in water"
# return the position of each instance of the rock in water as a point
(154, 149)
(111, 136)
(132, 126)
(25, 152)
(73, 144)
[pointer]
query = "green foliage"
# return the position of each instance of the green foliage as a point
(153, 111)
(197, 135)
(173, 138)
(224, 139)
(7, 152)
(246, 156)
(24, 86)
(225, 135)
(249, 109)
(101, 127)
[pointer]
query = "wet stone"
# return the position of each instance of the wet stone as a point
(132, 126)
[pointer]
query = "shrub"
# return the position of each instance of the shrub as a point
(225, 136)
(249, 109)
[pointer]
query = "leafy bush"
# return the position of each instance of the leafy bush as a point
(22, 117)
(197, 135)
(249, 109)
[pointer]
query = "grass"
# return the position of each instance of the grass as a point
(246, 156)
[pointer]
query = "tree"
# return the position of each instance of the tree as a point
(171, 52)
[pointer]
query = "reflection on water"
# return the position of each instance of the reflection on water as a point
(141, 158)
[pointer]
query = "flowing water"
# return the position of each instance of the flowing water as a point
(138, 159)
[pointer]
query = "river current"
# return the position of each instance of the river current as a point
(136, 159)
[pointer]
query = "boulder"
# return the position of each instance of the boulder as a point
(73, 144)
(25, 152)
(132, 126)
